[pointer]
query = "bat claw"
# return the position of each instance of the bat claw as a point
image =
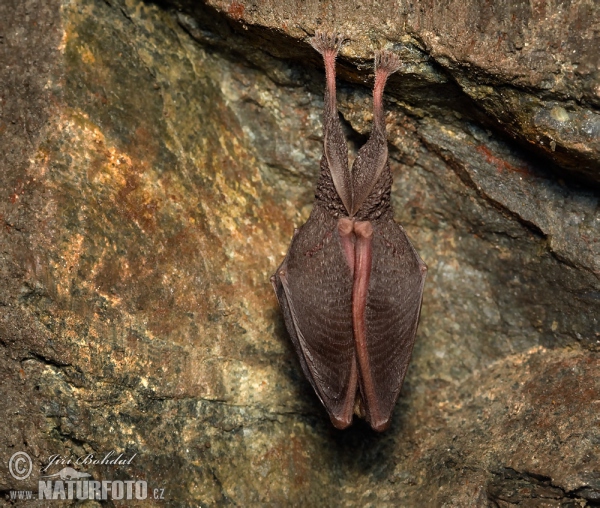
(387, 62)
(326, 42)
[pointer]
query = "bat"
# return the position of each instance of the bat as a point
(351, 284)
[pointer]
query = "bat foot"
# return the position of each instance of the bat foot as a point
(386, 62)
(325, 42)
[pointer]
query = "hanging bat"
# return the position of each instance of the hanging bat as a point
(351, 284)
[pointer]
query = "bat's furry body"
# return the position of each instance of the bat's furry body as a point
(351, 284)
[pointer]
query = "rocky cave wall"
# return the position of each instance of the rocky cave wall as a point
(155, 160)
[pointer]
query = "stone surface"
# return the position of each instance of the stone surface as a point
(157, 157)
(533, 69)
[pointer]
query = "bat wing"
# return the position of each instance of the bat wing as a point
(392, 313)
(314, 289)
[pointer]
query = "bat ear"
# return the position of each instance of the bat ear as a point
(372, 157)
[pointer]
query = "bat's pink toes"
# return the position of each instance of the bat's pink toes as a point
(387, 62)
(325, 42)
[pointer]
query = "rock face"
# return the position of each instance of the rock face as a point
(156, 158)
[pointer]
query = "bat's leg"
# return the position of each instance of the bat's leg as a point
(372, 157)
(386, 63)
(334, 142)
(329, 46)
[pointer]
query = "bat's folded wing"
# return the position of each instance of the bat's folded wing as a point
(392, 314)
(314, 288)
